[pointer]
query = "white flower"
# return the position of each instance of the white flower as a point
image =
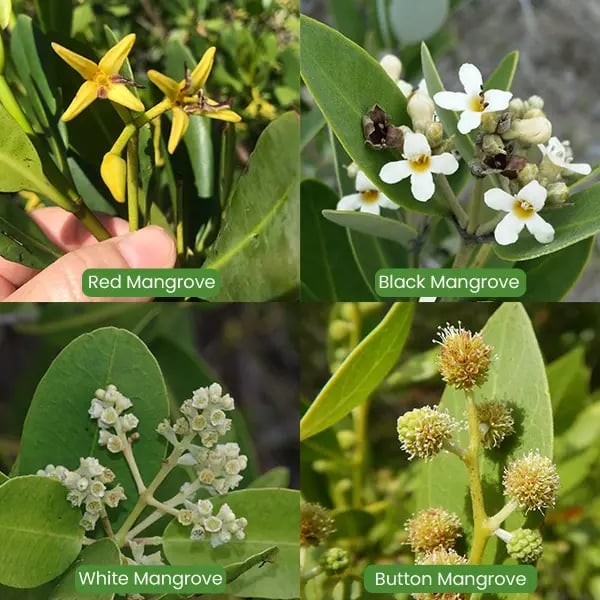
(392, 65)
(561, 155)
(474, 100)
(368, 199)
(419, 165)
(522, 212)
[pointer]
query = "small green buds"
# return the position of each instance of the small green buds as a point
(113, 171)
(424, 431)
(315, 524)
(433, 528)
(525, 545)
(335, 561)
(495, 423)
(531, 482)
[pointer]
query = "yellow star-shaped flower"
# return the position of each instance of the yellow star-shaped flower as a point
(102, 79)
(187, 97)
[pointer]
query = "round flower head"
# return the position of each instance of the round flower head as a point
(315, 524)
(560, 154)
(367, 199)
(522, 211)
(531, 482)
(441, 556)
(464, 359)
(419, 166)
(423, 431)
(525, 545)
(474, 101)
(495, 423)
(335, 561)
(433, 528)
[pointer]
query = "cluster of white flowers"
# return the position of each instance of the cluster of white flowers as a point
(107, 407)
(87, 488)
(220, 528)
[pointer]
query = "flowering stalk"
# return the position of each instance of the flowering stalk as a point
(133, 168)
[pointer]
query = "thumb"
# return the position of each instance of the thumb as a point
(149, 248)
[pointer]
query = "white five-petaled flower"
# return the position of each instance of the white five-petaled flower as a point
(419, 166)
(522, 212)
(562, 156)
(474, 100)
(368, 199)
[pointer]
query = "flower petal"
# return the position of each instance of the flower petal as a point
(169, 87)
(452, 100)
(499, 200)
(541, 230)
(86, 94)
(202, 71)
(468, 121)
(497, 100)
(444, 163)
(363, 183)
(370, 207)
(535, 194)
(118, 93)
(223, 115)
(579, 168)
(415, 144)
(84, 66)
(350, 202)
(113, 60)
(422, 186)
(395, 171)
(470, 77)
(507, 231)
(180, 124)
(385, 202)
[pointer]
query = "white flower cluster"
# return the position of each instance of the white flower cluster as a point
(87, 487)
(220, 528)
(107, 408)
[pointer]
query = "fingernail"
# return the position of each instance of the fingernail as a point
(148, 248)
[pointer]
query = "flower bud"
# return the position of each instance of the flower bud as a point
(492, 145)
(315, 524)
(531, 482)
(516, 107)
(537, 130)
(392, 65)
(346, 439)
(352, 170)
(420, 109)
(433, 528)
(525, 545)
(535, 102)
(489, 122)
(435, 134)
(495, 423)
(532, 113)
(558, 192)
(528, 174)
(339, 330)
(335, 561)
(114, 174)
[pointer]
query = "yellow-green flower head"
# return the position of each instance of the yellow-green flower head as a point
(495, 423)
(531, 481)
(441, 556)
(102, 80)
(433, 528)
(187, 97)
(335, 561)
(464, 359)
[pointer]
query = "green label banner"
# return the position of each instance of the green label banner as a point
(151, 283)
(395, 579)
(150, 579)
(451, 283)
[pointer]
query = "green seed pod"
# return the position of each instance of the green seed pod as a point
(433, 528)
(525, 545)
(335, 561)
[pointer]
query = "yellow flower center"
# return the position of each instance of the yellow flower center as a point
(102, 81)
(421, 163)
(523, 209)
(370, 196)
(477, 103)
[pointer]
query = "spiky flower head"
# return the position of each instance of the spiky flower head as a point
(464, 359)
(423, 431)
(495, 423)
(315, 524)
(335, 561)
(531, 481)
(525, 545)
(441, 556)
(433, 528)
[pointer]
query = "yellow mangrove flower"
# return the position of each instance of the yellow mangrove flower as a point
(187, 97)
(114, 174)
(102, 80)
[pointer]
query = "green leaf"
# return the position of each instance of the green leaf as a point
(349, 20)
(257, 250)
(327, 265)
(21, 240)
(379, 227)
(518, 378)
(361, 373)
(335, 71)
(102, 552)
(273, 520)
(573, 223)
(39, 530)
(278, 477)
(234, 570)
(503, 75)
(58, 429)
(311, 123)
(413, 22)
(3, 478)
(542, 282)
(55, 16)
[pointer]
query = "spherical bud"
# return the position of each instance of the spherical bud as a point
(185, 517)
(114, 444)
(423, 431)
(227, 402)
(441, 556)
(346, 439)
(392, 65)
(465, 359)
(536, 130)
(489, 122)
(532, 113)
(432, 528)
(528, 174)
(212, 524)
(420, 109)
(100, 394)
(129, 422)
(535, 102)
(315, 524)
(495, 423)
(531, 481)
(516, 107)
(435, 134)
(525, 545)
(558, 193)
(109, 416)
(334, 561)
(339, 330)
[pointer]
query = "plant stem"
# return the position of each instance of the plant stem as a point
(495, 521)
(133, 170)
(463, 256)
(107, 526)
(179, 231)
(481, 256)
(475, 208)
(336, 165)
(450, 197)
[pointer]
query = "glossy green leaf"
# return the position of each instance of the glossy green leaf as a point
(40, 534)
(3, 478)
(273, 520)
(413, 22)
(55, 16)
(517, 377)
(336, 72)
(348, 19)
(58, 429)
(503, 75)
(234, 570)
(361, 373)
(327, 266)
(257, 250)
(543, 285)
(21, 240)
(310, 124)
(278, 477)
(573, 223)
(102, 552)
(380, 227)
